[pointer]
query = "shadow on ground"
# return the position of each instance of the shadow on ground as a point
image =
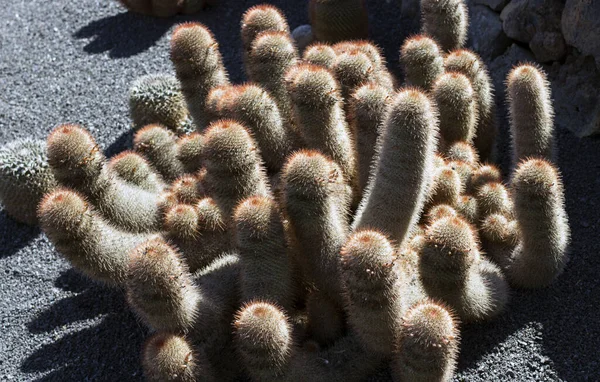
(14, 235)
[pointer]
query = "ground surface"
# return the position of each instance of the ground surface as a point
(72, 61)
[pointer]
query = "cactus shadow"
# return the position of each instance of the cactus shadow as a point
(14, 235)
(123, 142)
(102, 343)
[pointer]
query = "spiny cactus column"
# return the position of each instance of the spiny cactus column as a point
(470, 64)
(266, 269)
(91, 245)
(499, 236)
(258, 19)
(453, 271)
(320, 54)
(493, 198)
(169, 357)
(160, 288)
(447, 21)
(428, 345)
(159, 146)
(531, 114)
(422, 61)
(326, 318)
(541, 254)
(263, 339)
(373, 289)
(445, 188)
(353, 69)
(190, 149)
(132, 168)
(198, 65)
(396, 193)
(337, 20)
(25, 177)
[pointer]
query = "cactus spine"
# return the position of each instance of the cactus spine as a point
(320, 54)
(259, 19)
(159, 146)
(422, 61)
(132, 168)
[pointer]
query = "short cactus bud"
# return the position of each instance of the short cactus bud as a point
(440, 211)
(159, 146)
(446, 188)
(258, 19)
(198, 65)
(320, 54)
(428, 345)
(263, 340)
(470, 64)
(541, 255)
(372, 288)
(160, 288)
(464, 170)
(456, 103)
(157, 98)
(25, 177)
(483, 175)
(447, 21)
(531, 114)
(169, 357)
(499, 236)
(468, 209)
(338, 20)
(353, 69)
(453, 271)
(462, 151)
(422, 62)
(395, 196)
(133, 168)
(187, 189)
(181, 224)
(190, 149)
(493, 198)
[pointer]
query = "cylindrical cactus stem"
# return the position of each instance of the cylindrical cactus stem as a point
(483, 175)
(493, 198)
(78, 163)
(25, 177)
(272, 54)
(382, 75)
(326, 319)
(368, 107)
(373, 288)
(260, 241)
(396, 193)
(446, 21)
(531, 114)
(428, 345)
(160, 288)
(470, 64)
(234, 170)
(252, 106)
(190, 152)
(422, 62)
(320, 54)
(170, 357)
(316, 202)
(319, 113)
(464, 171)
(258, 19)
(462, 151)
(92, 246)
(187, 189)
(133, 168)
(499, 236)
(198, 65)
(457, 107)
(337, 20)
(263, 337)
(157, 99)
(159, 146)
(438, 212)
(353, 69)
(542, 252)
(468, 209)
(445, 188)
(452, 270)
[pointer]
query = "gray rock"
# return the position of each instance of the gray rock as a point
(486, 36)
(500, 66)
(303, 36)
(575, 88)
(496, 5)
(581, 26)
(537, 23)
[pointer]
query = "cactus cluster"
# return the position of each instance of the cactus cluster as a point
(320, 223)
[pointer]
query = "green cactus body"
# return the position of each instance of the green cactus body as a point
(368, 107)
(464, 170)
(187, 189)
(462, 151)
(541, 254)
(157, 98)
(428, 345)
(258, 19)
(483, 175)
(159, 146)
(263, 339)
(531, 114)
(260, 241)
(320, 54)
(468, 209)
(470, 64)
(25, 177)
(316, 202)
(338, 20)
(190, 149)
(134, 169)
(452, 270)
(422, 62)
(493, 198)
(170, 357)
(198, 65)
(446, 188)
(92, 246)
(78, 163)
(373, 286)
(499, 236)
(395, 196)
(353, 69)
(438, 212)
(446, 21)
